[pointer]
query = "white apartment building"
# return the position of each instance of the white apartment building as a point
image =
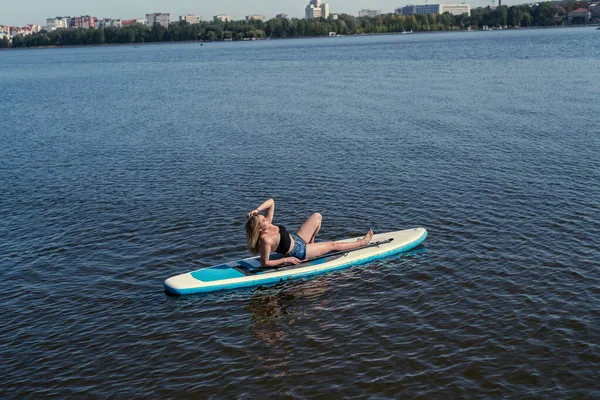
(222, 17)
(190, 19)
(369, 13)
(109, 23)
(35, 28)
(255, 17)
(158, 18)
(454, 9)
(53, 24)
(316, 9)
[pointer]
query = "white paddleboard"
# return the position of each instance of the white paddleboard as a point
(248, 272)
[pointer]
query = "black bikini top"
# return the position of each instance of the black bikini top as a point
(284, 242)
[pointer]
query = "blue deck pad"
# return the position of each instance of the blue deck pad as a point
(217, 273)
(253, 265)
(249, 266)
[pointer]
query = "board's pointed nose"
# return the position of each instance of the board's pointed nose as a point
(422, 233)
(174, 284)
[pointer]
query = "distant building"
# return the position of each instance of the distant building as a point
(255, 17)
(34, 28)
(334, 16)
(369, 13)
(53, 24)
(158, 18)
(222, 17)
(127, 22)
(580, 15)
(190, 19)
(595, 9)
(85, 22)
(316, 9)
(454, 9)
(12, 31)
(282, 15)
(109, 23)
(4, 34)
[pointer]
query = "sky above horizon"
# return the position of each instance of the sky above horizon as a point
(22, 12)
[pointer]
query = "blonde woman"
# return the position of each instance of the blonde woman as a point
(264, 237)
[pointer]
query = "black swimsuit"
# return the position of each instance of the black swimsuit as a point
(285, 242)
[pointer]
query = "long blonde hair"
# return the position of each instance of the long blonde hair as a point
(253, 234)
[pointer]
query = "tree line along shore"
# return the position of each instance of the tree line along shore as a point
(541, 15)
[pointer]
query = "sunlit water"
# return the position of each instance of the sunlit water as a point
(123, 166)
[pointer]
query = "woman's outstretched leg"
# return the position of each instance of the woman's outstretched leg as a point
(309, 229)
(318, 249)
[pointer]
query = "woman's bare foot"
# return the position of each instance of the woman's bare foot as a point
(367, 239)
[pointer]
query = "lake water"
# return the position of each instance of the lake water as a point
(123, 166)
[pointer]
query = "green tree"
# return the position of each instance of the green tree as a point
(446, 20)
(543, 14)
(342, 28)
(422, 22)
(432, 19)
(526, 19)
(350, 22)
(411, 23)
(303, 28)
(17, 41)
(515, 15)
(98, 36)
(157, 33)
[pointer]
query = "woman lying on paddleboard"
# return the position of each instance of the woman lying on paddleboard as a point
(264, 238)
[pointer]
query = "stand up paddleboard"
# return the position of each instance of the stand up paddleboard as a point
(248, 272)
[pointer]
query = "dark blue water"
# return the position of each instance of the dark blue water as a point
(123, 166)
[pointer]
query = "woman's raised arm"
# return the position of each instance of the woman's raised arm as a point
(268, 205)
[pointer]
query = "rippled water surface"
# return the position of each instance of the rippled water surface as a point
(123, 166)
